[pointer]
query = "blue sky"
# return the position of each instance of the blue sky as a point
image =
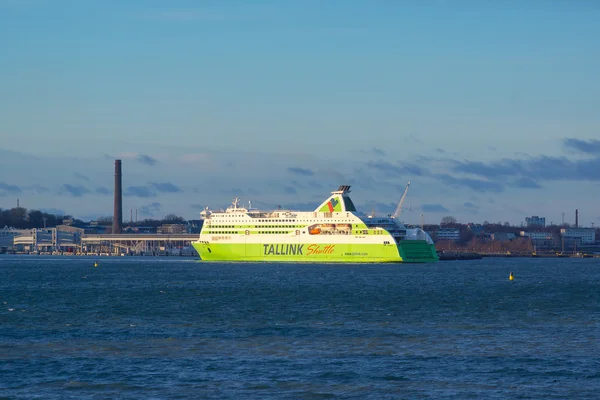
(489, 108)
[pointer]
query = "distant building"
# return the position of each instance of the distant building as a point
(94, 228)
(585, 235)
(7, 236)
(49, 239)
(503, 236)
(477, 229)
(195, 225)
(538, 235)
(172, 228)
(535, 221)
(70, 229)
(448, 234)
(139, 229)
(542, 240)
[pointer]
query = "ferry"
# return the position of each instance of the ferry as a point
(335, 232)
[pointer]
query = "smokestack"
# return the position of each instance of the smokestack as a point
(576, 218)
(118, 209)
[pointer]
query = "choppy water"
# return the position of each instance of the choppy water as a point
(171, 328)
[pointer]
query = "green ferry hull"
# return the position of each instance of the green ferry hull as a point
(408, 251)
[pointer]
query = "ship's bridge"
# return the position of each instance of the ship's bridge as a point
(338, 202)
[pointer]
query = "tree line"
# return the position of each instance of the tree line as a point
(168, 219)
(21, 218)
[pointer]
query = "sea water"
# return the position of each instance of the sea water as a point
(168, 328)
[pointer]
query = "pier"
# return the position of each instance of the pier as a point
(51, 241)
(138, 244)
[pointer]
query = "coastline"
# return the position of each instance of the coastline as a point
(465, 255)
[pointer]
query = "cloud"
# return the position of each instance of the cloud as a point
(471, 208)
(550, 168)
(53, 211)
(73, 190)
(301, 171)
(151, 190)
(204, 15)
(297, 184)
(193, 158)
(412, 137)
(433, 208)
(289, 190)
(375, 151)
(591, 146)
(536, 168)
(315, 185)
(475, 184)
(139, 191)
(126, 155)
(102, 191)
(7, 189)
(37, 189)
(379, 208)
(92, 217)
(504, 167)
(526, 183)
(81, 176)
(440, 150)
(306, 206)
(396, 170)
(513, 209)
(146, 159)
(233, 192)
(150, 210)
(166, 187)
(378, 152)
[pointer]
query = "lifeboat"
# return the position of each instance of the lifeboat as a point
(315, 231)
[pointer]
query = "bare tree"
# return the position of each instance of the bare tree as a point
(448, 220)
(105, 220)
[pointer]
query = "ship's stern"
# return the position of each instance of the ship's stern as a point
(417, 251)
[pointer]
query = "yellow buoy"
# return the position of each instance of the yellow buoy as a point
(95, 264)
(511, 277)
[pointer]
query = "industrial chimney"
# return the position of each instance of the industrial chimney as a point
(118, 209)
(576, 218)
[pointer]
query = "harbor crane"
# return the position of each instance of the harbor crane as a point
(398, 211)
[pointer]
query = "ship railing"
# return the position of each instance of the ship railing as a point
(264, 215)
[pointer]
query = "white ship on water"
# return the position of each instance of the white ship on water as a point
(334, 232)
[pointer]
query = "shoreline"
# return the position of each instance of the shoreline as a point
(466, 255)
